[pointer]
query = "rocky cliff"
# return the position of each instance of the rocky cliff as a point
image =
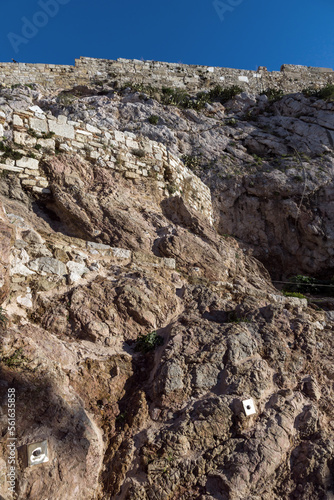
(141, 229)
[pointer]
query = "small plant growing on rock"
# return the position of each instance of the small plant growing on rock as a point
(232, 317)
(273, 94)
(9, 152)
(171, 188)
(191, 161)
(231, 121)
(153, 119)
(3, 317)
(48, 135)
(33, 133)
(147, 343)
(223, 95)
(258, 160)
(326, 93)
(294, 294)
(16, 359)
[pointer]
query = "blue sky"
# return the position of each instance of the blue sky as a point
(241, 34)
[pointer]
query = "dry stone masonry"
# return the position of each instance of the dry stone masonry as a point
(122, 152)
(291, 78)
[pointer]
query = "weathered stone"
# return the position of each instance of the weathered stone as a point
(39, 125)
(48, 265)
(170, 263)
(121, 253)
(62, 130)
(30, 163)
(9, 168)
(76, 270)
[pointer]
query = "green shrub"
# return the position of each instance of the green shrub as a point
(16, 359)
(273, 94)
(48, 135)
(171, 188)
(147, 343)
(233, 318)
(294, 294)
(153, 119)
(3, 317)
(223, 95)
(306, 284)
(65, 98)
(231, 121)
(9, 152)
(33, 133)
(258, 159)
(180, 97)
(326, 93)
(190, 161)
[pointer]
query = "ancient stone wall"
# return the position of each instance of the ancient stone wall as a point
(125, 153)
(290, 78)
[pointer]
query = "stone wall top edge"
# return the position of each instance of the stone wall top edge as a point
(283, 67)
(96, 63)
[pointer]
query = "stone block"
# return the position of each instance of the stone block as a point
(94, 155)
(121, 253)
(83, 132)
(65, 147)
(28, 182)
(17, 121)
(131, 175)
(320, 70)
(36, 110)
(43, 183)
(62, 130)
(100, 247)
(24, 139)
(47, 143)
(39, 125)
(169, 262)
(25, 301)
(119, 136)
(78, 145)
(10, 168)
(33, 174)
(40, 190)
(92, 129)
(62, 119)
(48, 265)
(26, 162)
(76, 270)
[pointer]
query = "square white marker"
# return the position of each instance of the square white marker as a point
(249, 407)
(37, 453)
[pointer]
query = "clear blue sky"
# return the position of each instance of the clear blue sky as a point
(248, 34)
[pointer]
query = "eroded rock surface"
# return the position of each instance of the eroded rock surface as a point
(132, 328)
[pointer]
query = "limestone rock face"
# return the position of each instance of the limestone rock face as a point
(6, 242)
(138, 313)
